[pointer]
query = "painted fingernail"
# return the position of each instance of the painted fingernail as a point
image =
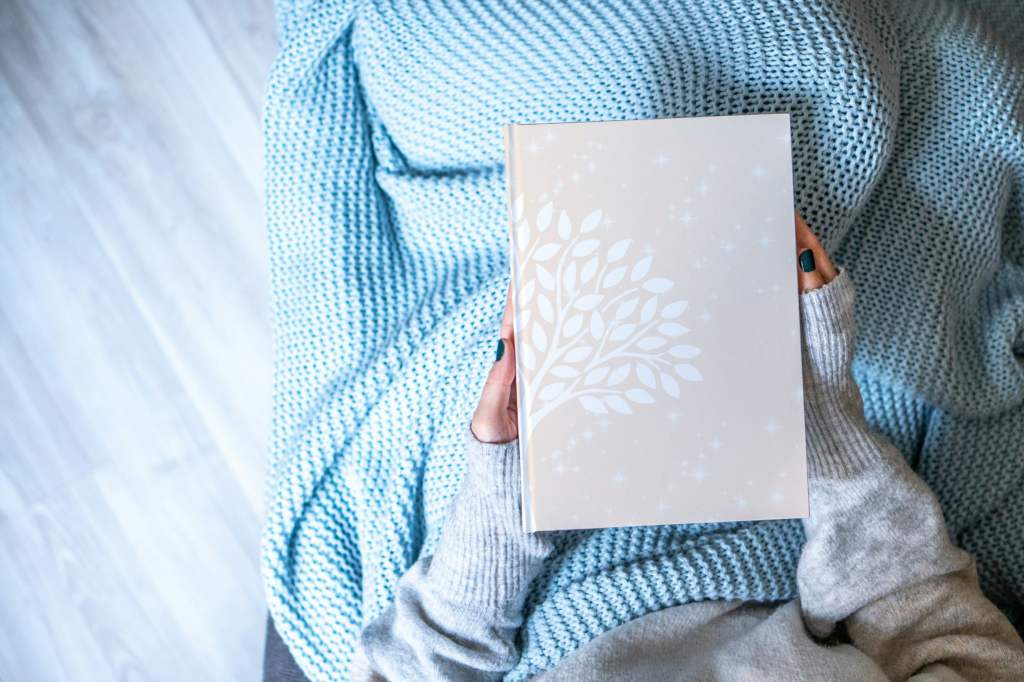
(500, 352)
(807, 260)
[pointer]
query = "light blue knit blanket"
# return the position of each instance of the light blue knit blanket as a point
(385, 211)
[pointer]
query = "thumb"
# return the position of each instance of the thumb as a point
(491, 422)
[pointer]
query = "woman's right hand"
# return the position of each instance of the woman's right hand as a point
(497, 416)
(814, 269)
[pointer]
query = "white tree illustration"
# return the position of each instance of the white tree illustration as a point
(593, 360)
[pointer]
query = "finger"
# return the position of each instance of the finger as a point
(805, 239)
(814, 267)
(808, 281)
(506, 320)
(491, 417)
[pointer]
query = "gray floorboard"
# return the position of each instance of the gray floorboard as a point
(135, 351)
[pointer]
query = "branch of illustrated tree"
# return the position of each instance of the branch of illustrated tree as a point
(616, 353)
(529, 255)
(597, 284)
(552, 355)
(564, 398)
(624, 293)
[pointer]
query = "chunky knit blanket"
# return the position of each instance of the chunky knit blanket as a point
(386, 217)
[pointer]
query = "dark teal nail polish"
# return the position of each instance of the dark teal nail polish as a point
(501, 350)
(807, 260)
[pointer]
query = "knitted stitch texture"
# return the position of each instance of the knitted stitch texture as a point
(386, 219)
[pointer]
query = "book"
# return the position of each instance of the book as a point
(657, 322)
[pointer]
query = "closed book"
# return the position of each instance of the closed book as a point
(657, 323)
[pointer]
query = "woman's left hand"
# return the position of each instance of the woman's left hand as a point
(496, 419)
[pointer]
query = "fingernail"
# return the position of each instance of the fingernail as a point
(500, 352)
(807, 260)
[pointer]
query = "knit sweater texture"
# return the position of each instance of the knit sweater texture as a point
(385, 210)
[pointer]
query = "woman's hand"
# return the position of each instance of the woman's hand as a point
(497, 416)
(814, 267)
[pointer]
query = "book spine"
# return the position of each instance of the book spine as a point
(512, 184)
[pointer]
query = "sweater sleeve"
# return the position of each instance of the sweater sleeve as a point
(878, 556)
(456, 613)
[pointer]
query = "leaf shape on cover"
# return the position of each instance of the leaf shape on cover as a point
(523, 236)
(590, 222)
(618, 404)
(645, 375)
(526, 293)
(684, 351)
(673, 309)
(639, 395)
(544, 217)
(544, 306)
(626, 308)
(640, 269)
(574, 324)
(517, 209)
(569, 277)
(689, 373)
(596, 325)
(585, 248)
(649, 309)
(589, 270)
(622, 332)
(657, 285)
(564, 226)
(521, 320)
(619, 375)
(592, 404)
(670, 385)
(618, 250)
(540, 338)
(615, 276)
(551, 391)
(546, 252)
(545, 278)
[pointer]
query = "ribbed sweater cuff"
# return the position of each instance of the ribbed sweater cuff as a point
(838, 439)
(492, 469)
(484, 559)
(828, 337)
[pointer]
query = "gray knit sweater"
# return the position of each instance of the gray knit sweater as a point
(884, 595)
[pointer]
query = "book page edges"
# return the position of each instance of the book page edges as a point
(806, 511)
(511, 182)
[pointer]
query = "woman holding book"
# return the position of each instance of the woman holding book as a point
(884, 595)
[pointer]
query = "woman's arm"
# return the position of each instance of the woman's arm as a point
(457, 612)
(878, 557)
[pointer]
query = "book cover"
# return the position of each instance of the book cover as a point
(657, 324)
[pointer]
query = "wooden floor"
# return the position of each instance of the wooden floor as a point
(135, 354)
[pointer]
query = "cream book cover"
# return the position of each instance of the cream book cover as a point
(657, 323)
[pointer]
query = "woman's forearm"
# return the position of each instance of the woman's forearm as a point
(878, 554)
(456, 613)
(874, 525)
